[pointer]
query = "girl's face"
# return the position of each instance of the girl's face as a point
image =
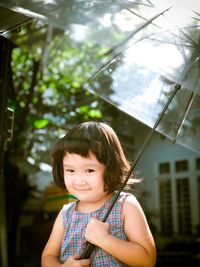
(83, 177)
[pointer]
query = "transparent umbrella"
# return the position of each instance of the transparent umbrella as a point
(143, 77)
(150, 46)
(140, 87)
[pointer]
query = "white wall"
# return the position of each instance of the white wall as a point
(161, 150)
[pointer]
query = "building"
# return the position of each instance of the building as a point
(171, 176)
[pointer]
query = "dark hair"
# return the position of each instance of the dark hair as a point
(99, 139)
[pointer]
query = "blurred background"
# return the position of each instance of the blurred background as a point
(133, 64)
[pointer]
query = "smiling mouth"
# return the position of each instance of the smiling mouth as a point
(81, 189)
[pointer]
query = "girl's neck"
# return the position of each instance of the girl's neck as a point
(86, 207)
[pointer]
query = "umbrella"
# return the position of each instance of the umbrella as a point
(142, 78)
(157, 46)
(157, 50)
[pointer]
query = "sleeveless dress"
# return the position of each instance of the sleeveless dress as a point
(75, 223)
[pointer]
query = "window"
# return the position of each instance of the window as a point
(164, 168)
(177, 200)
(183, 203)
(197, 163)
(198, 189)
(166, 207)
(181, 165)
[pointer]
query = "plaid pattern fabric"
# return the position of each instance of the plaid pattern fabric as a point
(74, 235)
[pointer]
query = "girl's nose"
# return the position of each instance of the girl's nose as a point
(80, 180)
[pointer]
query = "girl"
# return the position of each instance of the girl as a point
(89, 162)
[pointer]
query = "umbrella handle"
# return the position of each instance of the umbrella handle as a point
(87, 251)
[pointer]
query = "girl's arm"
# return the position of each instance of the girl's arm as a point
(139, 250)
(51, 252)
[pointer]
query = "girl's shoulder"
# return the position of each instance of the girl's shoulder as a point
(131, 204)
(131, 199)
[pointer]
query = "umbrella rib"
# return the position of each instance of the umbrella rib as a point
(137, 15)
(114, 48)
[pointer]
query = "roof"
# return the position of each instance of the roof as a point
(11, 20)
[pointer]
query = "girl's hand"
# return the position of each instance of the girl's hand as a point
(96, 231)
(73, 261)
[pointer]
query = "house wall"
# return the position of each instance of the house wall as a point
(163, 150)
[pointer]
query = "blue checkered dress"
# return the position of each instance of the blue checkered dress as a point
(74, 235)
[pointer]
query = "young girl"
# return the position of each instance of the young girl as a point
(89, 162)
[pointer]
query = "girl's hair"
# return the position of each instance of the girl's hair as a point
(99, 139)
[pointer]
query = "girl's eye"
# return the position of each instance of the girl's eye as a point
(90, 170)
(69, 170)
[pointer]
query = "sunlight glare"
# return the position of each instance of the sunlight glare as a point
(78, 33)
(181, 12)
(155, 57)
(125, 20)
(106, 20)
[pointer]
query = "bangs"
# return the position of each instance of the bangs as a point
(80, 147)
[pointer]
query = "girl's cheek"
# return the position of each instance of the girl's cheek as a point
(68, 180)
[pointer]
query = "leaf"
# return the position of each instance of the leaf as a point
(41, 123)
(95, 113)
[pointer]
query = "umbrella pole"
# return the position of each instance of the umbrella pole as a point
(89, 247)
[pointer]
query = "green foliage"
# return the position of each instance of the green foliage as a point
(40, 123)
(48, 94)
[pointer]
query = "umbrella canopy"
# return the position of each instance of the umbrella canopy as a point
(151, 47)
